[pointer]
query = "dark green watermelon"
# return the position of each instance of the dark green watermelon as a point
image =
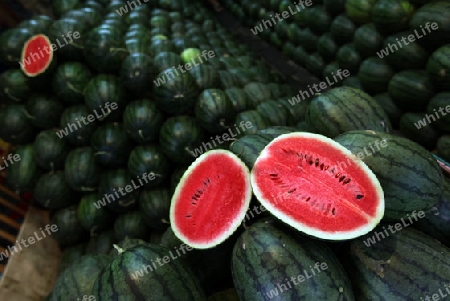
(137, 72)
(206, 76)
(81, 169)
(14, 85)
(142, 121)
(91, 218)
(135, 277)
(69, 230)
(15, 127)
(367, 40)
(111, 188)
(175, 92)
(111, 145)
(53, 192)
(180, 139)
(166, 60)
(102, 243)
(149, 159)
(104, 49)
(239, 99)
(50, 151)
(43, 111)
(58, 34)
(214, 111)
(375, 74)
(392, 16)
(22, 175)
(154, 205)
(105, 97)
(75, 126)
(79, 278)
(12, 41)
(69, 82)
(131, 225)
(437, 67)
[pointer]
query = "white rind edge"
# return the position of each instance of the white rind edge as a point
(238, 219)
(338, 235)
(22, 54)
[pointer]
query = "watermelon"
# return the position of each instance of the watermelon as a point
(315, 64)
(43, 111)
(214, 111)
(269, 262)
(53, 192)
(60, 7)
(252, 120)
(175, 92)
(375, 74)
(70, 255)
(12, 41)
(142, 121)
(125, 244)
(435, 223)
(71, 128)
(392, 15)
(249, 147)
(50, 151)
(440, 103)
(111, 145)
(131, 225)
(101, 243)
(137, 277)
(348, 58)
(392, 110)
(342, 29)
(14, 85)
(274, 112)
(403, 194)
(437, 67)
(390, 267)
(180, 138)
(69, 81)
(189, 217)
(401, 56)
(104, 49)
(239, 99)
(367, 40)
(432, 36)
(15, 127)
(69, 230)
(79, 278)
(91, 218)
(319, 215)
(411, 89)
(332, 113)
(22, 175)
(81, 169)
(112, 182)
(149, 159)
(318, 19)
(136, 73)
(359, 10)
(154, 206)
(353, 82)
(327, 47)
(105, 96)
(443, 147)
(411, 127)
(37, 55)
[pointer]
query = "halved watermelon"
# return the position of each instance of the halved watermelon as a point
(315, 185)
(37, 55)
(211, 199)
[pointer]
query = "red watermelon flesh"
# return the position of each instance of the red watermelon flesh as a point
(317, 186)
(35, 57)
(211, 199)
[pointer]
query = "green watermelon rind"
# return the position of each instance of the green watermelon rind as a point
(239, 217)
(298, 225)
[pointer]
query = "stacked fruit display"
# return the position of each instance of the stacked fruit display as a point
(397, 51)
(113, 128)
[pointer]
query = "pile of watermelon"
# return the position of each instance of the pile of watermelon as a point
(372, 40)
(210, 183)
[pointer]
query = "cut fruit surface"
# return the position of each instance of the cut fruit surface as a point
(37, 54)
(318, 187)
(211, 199)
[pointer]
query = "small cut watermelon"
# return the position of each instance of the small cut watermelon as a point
(37, 55)
(211, 199)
